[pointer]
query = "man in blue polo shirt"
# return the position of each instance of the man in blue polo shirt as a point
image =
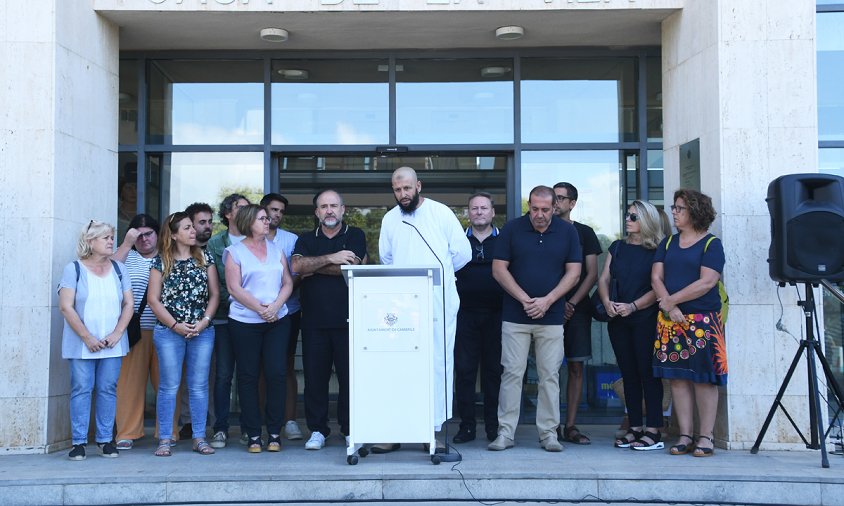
(324, 297)
(537, 261)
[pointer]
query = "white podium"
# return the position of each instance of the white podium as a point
(391, 365)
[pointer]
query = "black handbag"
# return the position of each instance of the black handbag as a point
(599, 312)
(134, 328)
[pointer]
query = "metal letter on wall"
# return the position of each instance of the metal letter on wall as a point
(690, 165)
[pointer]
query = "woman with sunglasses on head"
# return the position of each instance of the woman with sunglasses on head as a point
(184, 293)
(95, 298)
(259, 284)
(140, 366)
(633, 312)
(690, 348)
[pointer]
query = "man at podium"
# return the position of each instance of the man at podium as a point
(422, 231)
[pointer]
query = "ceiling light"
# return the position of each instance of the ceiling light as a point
(274, 34)
(294, 74)
(490, 72)
(509, 32)
(386, 68)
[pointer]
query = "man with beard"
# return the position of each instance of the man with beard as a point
(276, 206)
(202, 217)
(317, 257)
(537, 261)
(578, 326)
(422, 231)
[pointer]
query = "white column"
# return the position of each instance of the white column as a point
(58, 139)
(741, 77)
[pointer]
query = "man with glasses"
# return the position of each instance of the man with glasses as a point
(578, 326)
(223, 346)
(478, 337)
(276, 206)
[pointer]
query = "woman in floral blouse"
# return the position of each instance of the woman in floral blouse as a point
(183, 294)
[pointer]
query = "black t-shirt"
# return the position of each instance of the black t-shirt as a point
(589, 245)
(325, 298)
(477, 288)
(631, 266)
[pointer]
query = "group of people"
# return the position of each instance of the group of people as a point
(212, 308)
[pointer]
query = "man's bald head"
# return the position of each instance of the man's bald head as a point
(406, 188)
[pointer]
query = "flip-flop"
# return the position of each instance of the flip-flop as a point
(125, 444)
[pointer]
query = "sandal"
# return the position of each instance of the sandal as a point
(573, 435)
(254, 445)
(274, 443)
(203, 448)
(163, 449)
(642, 445)
(682, 449)
(704, 452)
(625, 441)
(125, 444)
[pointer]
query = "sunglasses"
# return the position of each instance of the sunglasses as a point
(479, 250)
(632, 217)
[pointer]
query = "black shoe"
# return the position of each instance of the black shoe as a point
(186, 432)
(108, 450)
(464, 435)
(490, 436)
(77, 452)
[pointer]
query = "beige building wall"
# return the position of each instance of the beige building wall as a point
(58, 140)
(741, 77)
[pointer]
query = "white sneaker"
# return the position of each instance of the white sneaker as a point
(348, 440)
(218, 440)
(291, 430)
(316, 442)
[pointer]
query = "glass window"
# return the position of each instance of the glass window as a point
(567, 100)
(595, 174)
(831, 161)
(185, 178)
(454, 101)
(127, 192)
(330, 102)
(654, 72)
(656, 181)
(128, 103)
(206, 102)
(830, 43)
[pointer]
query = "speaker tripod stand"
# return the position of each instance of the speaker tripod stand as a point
(811, 346)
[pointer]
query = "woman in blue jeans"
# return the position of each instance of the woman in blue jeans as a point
(259, 283)
(95, 298)
(183, 294)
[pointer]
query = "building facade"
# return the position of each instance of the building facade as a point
(113, 107)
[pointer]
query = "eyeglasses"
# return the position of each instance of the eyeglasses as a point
(678, 209)
(264, 218)
(146, 235)
(632, 217)
(562, 198)
(479, 252)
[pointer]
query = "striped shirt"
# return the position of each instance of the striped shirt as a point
(138, 268)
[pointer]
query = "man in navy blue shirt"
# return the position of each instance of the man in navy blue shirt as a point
(478, 337)
(537, 261)
(324, 296)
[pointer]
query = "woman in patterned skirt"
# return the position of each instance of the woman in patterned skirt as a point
(690, 349)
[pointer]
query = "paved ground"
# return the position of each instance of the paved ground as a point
(595, 473)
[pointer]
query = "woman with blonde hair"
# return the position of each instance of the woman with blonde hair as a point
(183, 293)
(625, 290)
(95, 298)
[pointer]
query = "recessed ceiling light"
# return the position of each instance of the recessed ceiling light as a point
(274, 34)
(509, 32)
(294, 74)
(490, 72)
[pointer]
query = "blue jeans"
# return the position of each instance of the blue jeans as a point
(84, 375)
(223, 375)
(173, 351)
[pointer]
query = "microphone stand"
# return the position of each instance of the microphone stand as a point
(447, 456)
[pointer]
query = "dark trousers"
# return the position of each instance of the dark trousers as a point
(322, 348)
(477, 342)
(223, 375)
(257, 345)
(633, 344)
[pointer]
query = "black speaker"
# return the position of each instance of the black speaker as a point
(807, 228)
